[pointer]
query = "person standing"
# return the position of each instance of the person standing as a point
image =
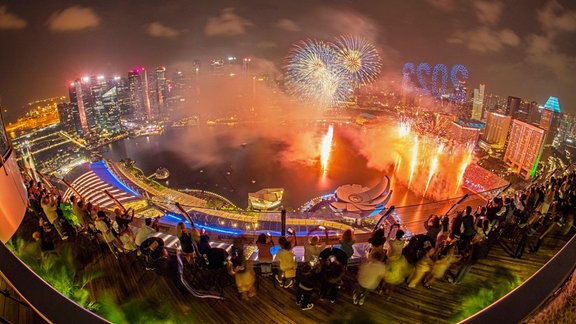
(313, 247)
(370, 274)
(307, 279)
(49, 207)
(286, 263)
(145, 231)
(347, 241)
(469, 231)
(265, 257)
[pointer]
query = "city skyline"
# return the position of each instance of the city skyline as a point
(517, 49)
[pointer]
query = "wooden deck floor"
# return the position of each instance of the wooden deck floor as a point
(14, 309)
(127, 282)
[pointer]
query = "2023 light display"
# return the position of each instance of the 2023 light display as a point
(423, 73)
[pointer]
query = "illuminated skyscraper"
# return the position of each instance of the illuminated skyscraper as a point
(524, 148)
(139, 95)
(160, 91)
(69, 118)
(478, 102)
(82, 104)
(93, 107)
(550, 121)
(496, 131)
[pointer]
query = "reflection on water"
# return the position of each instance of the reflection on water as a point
(233, 161)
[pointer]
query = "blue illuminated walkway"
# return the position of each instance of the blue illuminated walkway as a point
(92, 184)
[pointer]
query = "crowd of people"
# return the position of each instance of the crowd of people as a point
(75, 216)
(448, 249)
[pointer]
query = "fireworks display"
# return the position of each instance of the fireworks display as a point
(326, 148)
(325, 73)
(428, 163)
(313, 74)
(434, 165)
(359, 58)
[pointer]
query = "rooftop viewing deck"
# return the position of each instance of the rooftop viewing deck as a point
(138, 292)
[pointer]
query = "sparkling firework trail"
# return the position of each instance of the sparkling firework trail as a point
(414, 161)
(434, 165)
(404, 128)
(465, 162)
(326, 148)
(359, 58)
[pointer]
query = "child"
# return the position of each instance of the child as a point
(307, 279)
(287, 263)
(243, 273)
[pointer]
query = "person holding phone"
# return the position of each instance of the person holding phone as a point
(265, 257)
(313, 247)
(286, 261)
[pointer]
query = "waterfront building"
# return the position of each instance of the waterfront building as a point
(159, 92)
(93, 108)
(524, 148)
(69, 118)
(139, 98)
(179, 89)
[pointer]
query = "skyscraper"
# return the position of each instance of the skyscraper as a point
(160, 91)
(93, 107)
(524, 148)
(478, 102)
(69, 118)
(496, 131)
(138, 91)
(550, 121)
(513, 106)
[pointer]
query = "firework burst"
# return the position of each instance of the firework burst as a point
(359, 58)
(313, 74)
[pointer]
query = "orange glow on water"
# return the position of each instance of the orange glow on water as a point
(326, 148)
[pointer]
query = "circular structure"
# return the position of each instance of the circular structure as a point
(162, 173)
(356, 198)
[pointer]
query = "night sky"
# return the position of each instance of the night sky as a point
(519, 48)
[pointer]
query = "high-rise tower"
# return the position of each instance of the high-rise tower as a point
(139, 95)
(513, 106)
(524, 148)
(478, 102)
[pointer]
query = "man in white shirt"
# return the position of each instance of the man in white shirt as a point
(145, 231)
